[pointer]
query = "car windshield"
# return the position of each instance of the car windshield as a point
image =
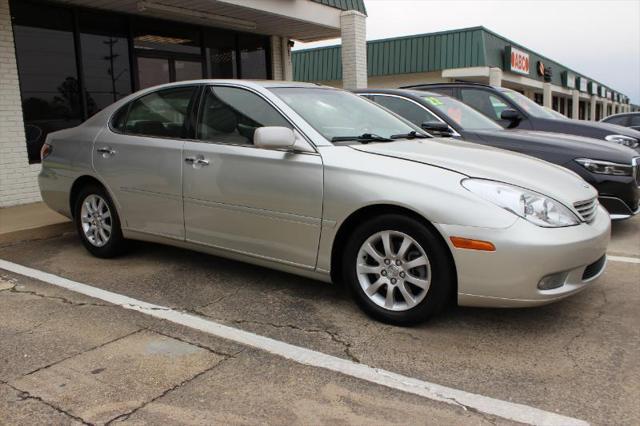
(463, 115)
(528, 105)
(342, 115)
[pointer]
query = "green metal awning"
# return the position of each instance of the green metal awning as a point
(463, 48)
(345, 4)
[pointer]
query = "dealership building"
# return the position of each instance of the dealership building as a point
(471, 54)
(62, 61)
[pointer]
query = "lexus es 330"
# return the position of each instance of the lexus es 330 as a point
(320, 182)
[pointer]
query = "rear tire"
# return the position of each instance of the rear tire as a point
(98, 223)
(398, 270)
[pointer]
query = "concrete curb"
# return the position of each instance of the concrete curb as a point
(37, 233)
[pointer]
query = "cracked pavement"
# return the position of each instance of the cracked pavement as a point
(69, 359)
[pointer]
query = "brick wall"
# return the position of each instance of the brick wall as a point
(276, 58)
(354, 49)
(18, 179)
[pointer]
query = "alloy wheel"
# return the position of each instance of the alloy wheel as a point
(96, 220)
(393, 270)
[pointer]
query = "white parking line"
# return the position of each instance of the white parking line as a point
(507, 410)
(623, 259)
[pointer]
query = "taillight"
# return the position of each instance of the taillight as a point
(45, 151)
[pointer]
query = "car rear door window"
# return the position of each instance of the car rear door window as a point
(231, 115)
(483, 101)
(160, 114)
(405, 108)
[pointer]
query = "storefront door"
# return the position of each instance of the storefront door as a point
(158, 68)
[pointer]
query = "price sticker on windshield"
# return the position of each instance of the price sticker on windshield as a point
(434, 101)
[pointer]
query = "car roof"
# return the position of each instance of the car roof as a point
(400, 92)
(238, 82)
(452, 84)
(622, 114)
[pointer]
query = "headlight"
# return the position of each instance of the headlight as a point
(606, 167)
(536, 208)
(623, 140)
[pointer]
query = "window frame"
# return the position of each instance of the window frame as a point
(200, 109)
(188, 124)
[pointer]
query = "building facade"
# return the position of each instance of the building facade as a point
(62, 61)
(471, 54)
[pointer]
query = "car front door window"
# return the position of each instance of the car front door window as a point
(231, 115)
(484, 102)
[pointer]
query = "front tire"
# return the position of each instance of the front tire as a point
(398, 269)
(97, 222)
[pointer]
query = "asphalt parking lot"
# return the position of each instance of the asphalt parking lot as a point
(66, 358)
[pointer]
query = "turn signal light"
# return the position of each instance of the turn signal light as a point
(466, 243)
(45, 151)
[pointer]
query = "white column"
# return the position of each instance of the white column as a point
(18, 179)
(287, 66)
(495, 77)
(547, 96)
(604, 108)
(575, 100)
(353, 28)
(276, 58)
(592, 108)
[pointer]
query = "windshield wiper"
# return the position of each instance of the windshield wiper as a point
(411, 135)
(364, 138)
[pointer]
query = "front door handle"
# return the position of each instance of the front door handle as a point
(106, 151)
(197, 161)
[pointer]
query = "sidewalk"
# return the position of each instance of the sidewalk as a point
(31, 222)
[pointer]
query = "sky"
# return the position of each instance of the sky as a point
(599, 38)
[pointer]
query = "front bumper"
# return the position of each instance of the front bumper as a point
(526, 253)
(617, 208)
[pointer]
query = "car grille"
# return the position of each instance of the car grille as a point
(594, 269)
(587, 209)
(636, 169)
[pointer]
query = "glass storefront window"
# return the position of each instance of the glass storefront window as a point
(188, 70)
(105, 59)
(253, 56)
(54, 43)
(47, 69)
(221, 53)
(152, 71)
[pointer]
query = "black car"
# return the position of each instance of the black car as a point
(512, 109)
(614, 170)
(625, 119)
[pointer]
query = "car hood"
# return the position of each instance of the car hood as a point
(568, 146)
(478, 161)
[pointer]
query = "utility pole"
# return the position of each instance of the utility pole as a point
(111, 58)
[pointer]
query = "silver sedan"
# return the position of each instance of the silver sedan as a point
(319, 182)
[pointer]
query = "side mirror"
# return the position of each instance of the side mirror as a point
(512, 116)
(437, 127)
(274, 138)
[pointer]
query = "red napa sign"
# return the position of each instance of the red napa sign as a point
(518, 61)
